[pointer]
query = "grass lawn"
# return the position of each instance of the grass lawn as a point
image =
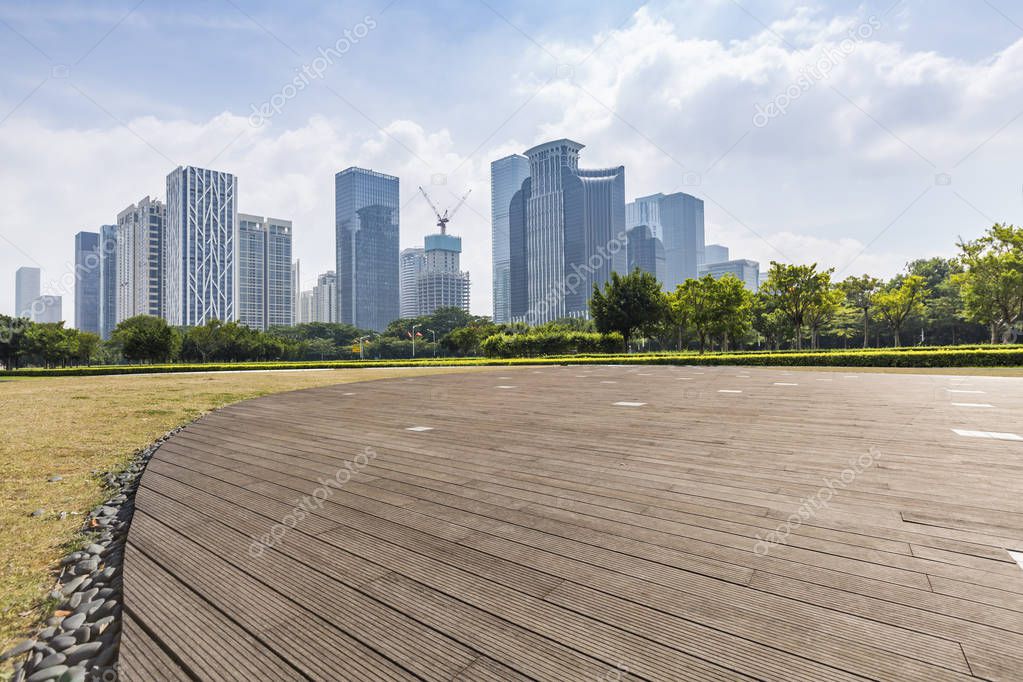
(76, 426)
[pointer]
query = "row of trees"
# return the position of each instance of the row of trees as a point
(975, 297)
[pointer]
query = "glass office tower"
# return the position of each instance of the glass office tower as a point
(140, 234)
(506, 177)
(366, 225)
(26, 290)
(87, 282)
(265, 272)
(107, 280)
(677, 220)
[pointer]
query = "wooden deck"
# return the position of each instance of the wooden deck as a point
(536, 530)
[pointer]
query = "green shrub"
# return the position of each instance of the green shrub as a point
(550, 343)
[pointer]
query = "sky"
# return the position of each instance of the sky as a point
(858, 135)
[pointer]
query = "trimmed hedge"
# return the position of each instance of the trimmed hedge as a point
(558, 343)
(941, 357)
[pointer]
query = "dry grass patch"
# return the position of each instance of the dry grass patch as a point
(75, 427)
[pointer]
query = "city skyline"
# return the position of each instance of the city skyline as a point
(821, 182)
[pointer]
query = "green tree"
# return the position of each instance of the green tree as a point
(692, 308)
(859, 294)
(992, 278)
(12, 340)
(732, 309)
(144, 338)
(794, 290)
(628, 304)
(898, 302)
(825, 304)
(88, 347)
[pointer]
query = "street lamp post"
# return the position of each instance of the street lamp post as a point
(434, 341)
(414, 339)
(362, 340)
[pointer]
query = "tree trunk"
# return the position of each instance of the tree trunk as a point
(897, 333)
(866, 328)
(799, 337)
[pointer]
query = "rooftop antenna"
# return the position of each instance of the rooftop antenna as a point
(442, 220)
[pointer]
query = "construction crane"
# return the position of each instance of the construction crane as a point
(442, 220)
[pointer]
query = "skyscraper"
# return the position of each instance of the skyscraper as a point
(646, 252)
(306, 310)
(87, 260)
(107, 280)
(26, 290)
(410, 264)
(140, 246)
(677, 220)
(506, 177)
(324, 303)
(366, 224)
(442, 284)
(201, 247)
(566, 233)
(296, 291)
(265, 272)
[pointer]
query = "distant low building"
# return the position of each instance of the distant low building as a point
(47, 309)
(715, 253)
(746, 270)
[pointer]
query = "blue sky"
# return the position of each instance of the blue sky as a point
(100, 100)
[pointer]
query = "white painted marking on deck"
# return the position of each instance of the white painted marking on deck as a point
(628, 404)
(973, 404)
(609, 382)
(823, 379)
(1016, 556)
(685, 378)
(506, 387)
(784, 383)
(419, 428)
(959, 390)
(993, 435)
(348, 394)
(729, 390)
(644, 374)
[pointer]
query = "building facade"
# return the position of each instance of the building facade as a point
(746, 270)
(201, 247)
(265, 272)
(645, 252)
(107, 280)
(26, 290)
(296, 290)
(87, 263)
(677, 220)
(305, 308)
(367, 227)
(410, 264)
(506, 178)
(140, 247)
(566, 233)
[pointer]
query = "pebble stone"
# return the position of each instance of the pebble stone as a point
(84, 632)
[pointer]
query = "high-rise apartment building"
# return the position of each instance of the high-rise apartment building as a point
(26, 290)
(107, 280)
(140, 247)
(306, 312)
(265, 272)
(366, 224)
(645, 252)
(87, 263)
(566, 233)
(324, 300)
(201, 247)
(296, 291)
(677, 220)
(506, 178)
(746, 270)
(715, 253)
(410, 264)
